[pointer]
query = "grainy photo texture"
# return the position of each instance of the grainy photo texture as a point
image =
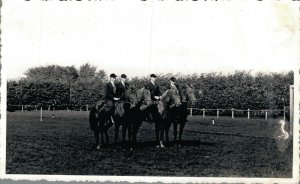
(190, 89)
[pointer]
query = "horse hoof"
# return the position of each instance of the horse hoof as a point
(162, 146)
(157, 146)
(98, 147)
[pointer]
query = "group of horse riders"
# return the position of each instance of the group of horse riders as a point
(120, 96)
(117, 91)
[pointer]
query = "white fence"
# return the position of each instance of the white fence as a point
(266, 112)
(249, 113)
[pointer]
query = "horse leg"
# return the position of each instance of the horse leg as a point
(129, 128)
(182, 125)
(166, 129)
(135, 129)
(157, 130)
(96, 134)
(106, 136)
(175, 132)
(124, 128)
(162, 130)
(117, 126)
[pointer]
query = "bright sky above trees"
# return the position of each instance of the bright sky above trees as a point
(138, 38)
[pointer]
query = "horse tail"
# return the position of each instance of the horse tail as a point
(93, 118)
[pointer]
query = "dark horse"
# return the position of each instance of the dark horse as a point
(97, 123)
(167, 108)
(139, 111)
(180, 117)
(123, 115)
(128, 114)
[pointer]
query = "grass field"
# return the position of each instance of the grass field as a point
(63, 145)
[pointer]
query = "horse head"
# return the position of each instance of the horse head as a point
(133, 97)
(171, 98)
(189, 94)
(144, 98)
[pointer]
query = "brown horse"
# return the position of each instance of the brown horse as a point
(126, 114)
(167, 109)
(188, 98)
(129, 115)
(139, 111)
(97, 121)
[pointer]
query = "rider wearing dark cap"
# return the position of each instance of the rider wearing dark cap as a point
(111, 93)
(122, 89)
(153, 87)
(174, 86)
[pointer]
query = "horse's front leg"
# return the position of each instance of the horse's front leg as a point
(175, 132)
(182, 125)
(157, 131)
(162, 128)
(117, 126)
(129, 128)
(135, 128)
(97, 136)
(166, 129)
(124, 129)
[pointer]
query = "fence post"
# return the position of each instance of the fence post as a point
(191, 111)
(266, 115)
(41, 118)
(284, 113)
(22, 107)
(248, 113)
(87, 107)
(218, 111)
(232, 113)
(67, 108)
(203, 112)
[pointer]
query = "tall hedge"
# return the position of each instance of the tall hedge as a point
(240, 90)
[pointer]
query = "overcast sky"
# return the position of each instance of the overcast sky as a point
(138, 38)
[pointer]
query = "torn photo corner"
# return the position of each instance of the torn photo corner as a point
(150, 91)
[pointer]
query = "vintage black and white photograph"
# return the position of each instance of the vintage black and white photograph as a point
(172, 91)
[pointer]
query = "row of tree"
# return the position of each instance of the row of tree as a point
(68, 86)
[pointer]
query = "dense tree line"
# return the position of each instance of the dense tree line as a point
(68, 86)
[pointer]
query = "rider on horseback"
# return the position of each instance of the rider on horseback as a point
(123, 88)
(111, 95)
(155, 92)
(174, 86)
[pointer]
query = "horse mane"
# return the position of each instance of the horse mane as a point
(165, 96)
(139, 93)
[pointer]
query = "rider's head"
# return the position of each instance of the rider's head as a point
(112, 77)
(172, 80)
(123, 77)
(153, 77)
